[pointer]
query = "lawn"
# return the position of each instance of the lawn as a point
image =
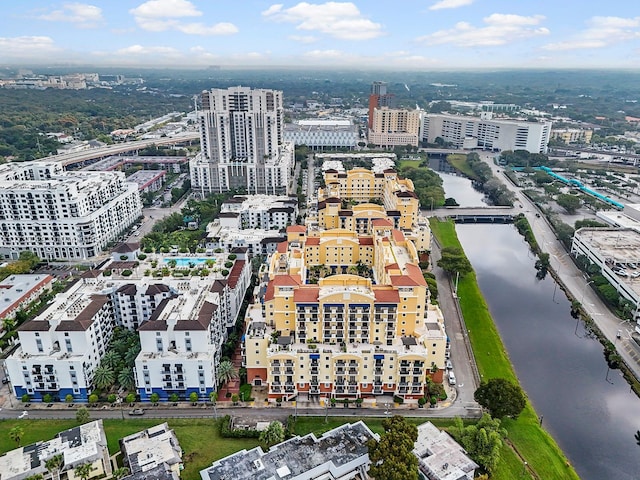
(409, 163)
(533, 443)
(459, 162)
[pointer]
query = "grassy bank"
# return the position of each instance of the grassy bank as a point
(532, 442)
(459, 162)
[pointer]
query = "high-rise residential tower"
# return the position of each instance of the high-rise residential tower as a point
(378, 98)
(242, 146)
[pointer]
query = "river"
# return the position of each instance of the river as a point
(589, 410)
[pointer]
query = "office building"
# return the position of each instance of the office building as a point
(339, 454)
(345, 310)
(395, 127)
(487, 133)
(572, 135)
(85, 444)
(242, 143)
(63, 215)
(379, 97)
(321, 134)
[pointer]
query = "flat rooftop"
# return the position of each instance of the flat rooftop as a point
(338, 451)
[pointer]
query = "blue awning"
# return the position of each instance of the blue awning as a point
(378, 357)
(314, 356)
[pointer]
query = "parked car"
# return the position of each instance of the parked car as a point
(136, 411)
(452, 378)
(449, 365)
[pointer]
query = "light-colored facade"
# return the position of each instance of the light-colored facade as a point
(266, 212)
(487, 133)
(144, 451)
(572, 135)
(17, 291)
(85, 444)
(395, 127)
(63, 215)
(256, 241)
(345, 312)
(613, 249)
(339, 454)
(182, 324)
(322, 134)
(440, 457)
(242, 142)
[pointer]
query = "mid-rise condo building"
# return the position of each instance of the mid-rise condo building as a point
(63, 215)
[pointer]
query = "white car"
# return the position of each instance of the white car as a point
(449, 365)
(23, 414)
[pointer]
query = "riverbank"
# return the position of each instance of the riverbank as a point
(532, 443)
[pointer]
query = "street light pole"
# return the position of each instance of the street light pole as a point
(584, 290)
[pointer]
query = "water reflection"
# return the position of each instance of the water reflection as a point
(561, 367)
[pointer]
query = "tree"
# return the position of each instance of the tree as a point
(570, 203)
(93, 398)
(111, 359)
(68, 398)
(213, 397)
(16, 434)
(482, 441)
(126, 379)
(193, 397)
(83, 471)
(392, 457)
(130, 398)
(154, 397)
(501, 398)
(54, 465)
(120, 472)
(273, 434)
(226, 372)
(454, 260)
(82, 415)
(103, 377)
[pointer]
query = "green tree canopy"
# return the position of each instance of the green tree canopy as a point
(226, 372)
(392, 457)
(501, 398)
(273, 434)
(82, 415)
(454, 260)
(16, 434)
(482, 441)
(570, 203)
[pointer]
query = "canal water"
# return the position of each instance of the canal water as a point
(589, 410)
(457, 186)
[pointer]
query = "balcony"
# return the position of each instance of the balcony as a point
(340, 389)
(276, 370)
(340, 371)
(276, 389)
(377, 371)
(314, 371)
(404, 371)
(417, 371)
(352, 371)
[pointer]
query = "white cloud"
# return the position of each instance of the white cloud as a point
(325, 54)
(442, 4)
(142, 50)
(499, 29)
(303, 38)
(163, 15)
(166, 8)
(82, 14)
(26, 47)
(601, 32)
(341, 20)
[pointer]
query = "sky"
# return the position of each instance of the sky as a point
(375, 34)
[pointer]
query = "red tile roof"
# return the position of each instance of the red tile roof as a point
(313, 241)
(306, 295)
(381, 222)
(365, 240)
(386, 295)
(296, 228)
(398, 236)
(282, 247)
(235, 273)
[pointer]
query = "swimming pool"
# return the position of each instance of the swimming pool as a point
(186, 261)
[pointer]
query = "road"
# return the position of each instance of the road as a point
(572, 277)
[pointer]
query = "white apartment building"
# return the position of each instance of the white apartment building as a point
(266, 212)
(182, 323)
(18, 291)
(395, 127)
(255, 241)
(62, 215)
(487, 133)
(242, 142)
(156, 446)
(319, 134)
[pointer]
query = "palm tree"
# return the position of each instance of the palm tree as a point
(120, 472)
(16, 434)
(103, 377)
(273, 434)
(84, 471)
(637, 437)
(54, 465)
(126, 378)
(37, 476)
(111, 359)
(226, 372)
